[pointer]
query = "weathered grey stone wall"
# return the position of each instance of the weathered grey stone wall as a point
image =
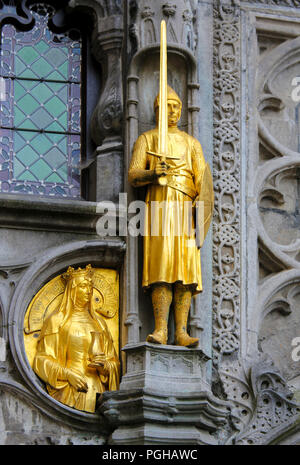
(263, 379)
(234, 63)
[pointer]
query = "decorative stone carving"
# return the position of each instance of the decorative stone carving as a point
(180, 17)
(261, 399)
(278, 329)
(226, 227)
(24, 20)
(164, 419)
(291, 3)
(272, 238)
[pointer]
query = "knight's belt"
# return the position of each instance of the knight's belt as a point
(183, 184)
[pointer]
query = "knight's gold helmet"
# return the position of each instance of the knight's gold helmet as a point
(171, 96)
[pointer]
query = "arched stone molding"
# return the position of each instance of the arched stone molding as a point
(284, 253)
(275, 63)
(10, 274)
(265, 303)
(133, 86)
(54, 261)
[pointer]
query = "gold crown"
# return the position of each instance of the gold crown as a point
(72, 273)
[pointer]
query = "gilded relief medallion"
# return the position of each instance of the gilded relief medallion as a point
(71, 335)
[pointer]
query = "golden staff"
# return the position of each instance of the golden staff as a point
(163, 104)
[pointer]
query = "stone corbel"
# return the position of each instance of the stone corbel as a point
(106, 122)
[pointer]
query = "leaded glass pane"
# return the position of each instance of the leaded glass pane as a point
(40, 111)
(39, 161)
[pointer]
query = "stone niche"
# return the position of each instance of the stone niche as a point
(148, 73)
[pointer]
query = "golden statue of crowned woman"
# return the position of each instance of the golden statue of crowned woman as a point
(75, 354)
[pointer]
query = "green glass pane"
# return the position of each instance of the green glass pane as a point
(28, 74)
(19, 117)
(41, 67)
(55, 106)
(62, 93)
(42, 142)
(28, 54)
(55, 127)
(21, 88)
(40, 169)
(63, 172)
(27, 124)
(41, 47)
(27, 156)
(63, 119)
(55, 76)
(27, 176)
(18, 168)
(42, 106)
(62, 145)
(41, 118)
(28, 103)
(28, 136)
(56, 87)
(56, 56)
(19, 66)
(63, 69)
(42, 92)
(55, 157)
(58, 138)
(55, 178)
(19, 141)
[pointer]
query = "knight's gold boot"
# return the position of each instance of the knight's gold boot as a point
(161, 301)
(182, 303)
(159, 336)
(183, 339)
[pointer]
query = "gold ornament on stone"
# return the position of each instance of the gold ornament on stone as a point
(71, 336)
(171, 164)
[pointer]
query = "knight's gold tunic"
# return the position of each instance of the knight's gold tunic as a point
(170, 257)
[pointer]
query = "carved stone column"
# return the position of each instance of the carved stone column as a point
(106, 173)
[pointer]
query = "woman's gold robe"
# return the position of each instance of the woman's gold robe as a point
(64, 344)
(170, 257)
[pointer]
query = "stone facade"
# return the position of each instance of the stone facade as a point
(236, 65)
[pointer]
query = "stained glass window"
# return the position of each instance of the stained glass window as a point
(40, 74)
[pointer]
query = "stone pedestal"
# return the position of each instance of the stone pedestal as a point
(165, 368)
(164, 399)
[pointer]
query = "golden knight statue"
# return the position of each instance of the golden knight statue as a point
(75, 354)
(171, 163)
